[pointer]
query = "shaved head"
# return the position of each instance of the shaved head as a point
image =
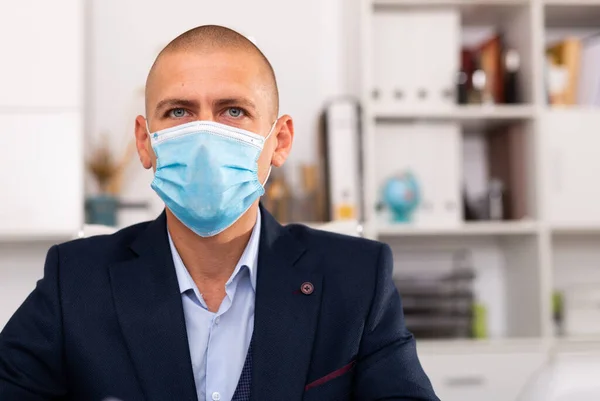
(207, 39)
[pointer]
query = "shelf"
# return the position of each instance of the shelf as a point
(466, 229)
(53, 237)
(572, 3)
(471, 117)
(576, 229)
(564, 345)
(589, 345)
(481, 12)
(503, 345)
(583, 344)
(572, 109)
(469, 112)
(572, 14)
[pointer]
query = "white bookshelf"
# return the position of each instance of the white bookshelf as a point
(525, 260)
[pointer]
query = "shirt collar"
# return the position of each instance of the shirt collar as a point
(249, 259)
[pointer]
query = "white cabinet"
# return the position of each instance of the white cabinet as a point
(41, 99)
(571, 167)
(485, 376)
(42, 54)
(432, 151)
(42, 175)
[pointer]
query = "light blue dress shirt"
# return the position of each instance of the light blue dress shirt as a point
(219, 341)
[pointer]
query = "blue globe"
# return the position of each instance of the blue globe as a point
(402, 196)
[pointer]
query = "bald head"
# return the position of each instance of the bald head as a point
(207, 39)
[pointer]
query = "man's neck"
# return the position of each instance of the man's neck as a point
(212, 259)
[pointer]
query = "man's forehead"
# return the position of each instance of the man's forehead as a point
(210, 71)
(214, 74)
(196, 65)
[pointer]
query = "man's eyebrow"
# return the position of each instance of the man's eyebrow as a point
(174, 102)
(236, 102)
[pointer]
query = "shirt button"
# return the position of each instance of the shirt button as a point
(216, 396)
(217, 320)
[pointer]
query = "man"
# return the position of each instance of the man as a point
(214, 300)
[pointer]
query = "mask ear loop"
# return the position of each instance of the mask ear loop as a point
(270, 166)
(147, 127)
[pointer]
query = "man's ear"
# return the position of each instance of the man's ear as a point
(284, 138)
(142, 142)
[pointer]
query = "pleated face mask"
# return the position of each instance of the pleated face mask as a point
(207, 173)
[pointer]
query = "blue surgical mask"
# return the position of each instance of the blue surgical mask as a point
(207, 173)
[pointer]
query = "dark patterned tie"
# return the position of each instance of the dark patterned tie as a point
(242, 392)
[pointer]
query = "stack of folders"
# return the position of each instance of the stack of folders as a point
(573, 72)
(438, 306)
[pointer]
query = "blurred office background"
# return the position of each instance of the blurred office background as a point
(463, 133)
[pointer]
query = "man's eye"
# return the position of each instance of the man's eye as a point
(235, 112)
(177, 113)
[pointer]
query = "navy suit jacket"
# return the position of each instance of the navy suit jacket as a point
(106, 321)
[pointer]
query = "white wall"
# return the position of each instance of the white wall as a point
(312, 45)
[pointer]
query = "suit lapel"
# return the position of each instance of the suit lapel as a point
(150, 312)
(285, 318)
